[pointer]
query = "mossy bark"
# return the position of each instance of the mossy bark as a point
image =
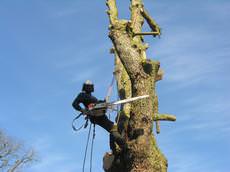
(136, 75)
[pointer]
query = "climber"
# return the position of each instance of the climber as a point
(86, 98)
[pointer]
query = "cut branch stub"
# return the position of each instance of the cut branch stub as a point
(164, 117)
(160, 75)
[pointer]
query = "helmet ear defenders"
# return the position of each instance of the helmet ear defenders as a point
(88, 86)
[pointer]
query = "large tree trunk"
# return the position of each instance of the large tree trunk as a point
(136, 75)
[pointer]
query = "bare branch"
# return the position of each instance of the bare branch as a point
(28, 157)
(112, 11)
(147, 33)
(12, 154)
(136, 17)
(152, 24)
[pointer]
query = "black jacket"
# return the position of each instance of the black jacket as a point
(85, 99)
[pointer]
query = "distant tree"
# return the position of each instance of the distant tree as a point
(136, 75)
(13, 155)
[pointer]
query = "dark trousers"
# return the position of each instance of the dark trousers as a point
(108, 125)
(102, 121)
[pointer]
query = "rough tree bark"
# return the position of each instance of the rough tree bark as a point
(136, 75)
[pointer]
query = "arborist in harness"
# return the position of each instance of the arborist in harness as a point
(87, 99)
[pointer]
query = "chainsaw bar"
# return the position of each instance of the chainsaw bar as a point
(129, 100)
(112, 104)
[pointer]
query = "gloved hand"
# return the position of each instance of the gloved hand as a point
(85, 111)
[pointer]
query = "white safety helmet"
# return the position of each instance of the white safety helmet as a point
(88, 86)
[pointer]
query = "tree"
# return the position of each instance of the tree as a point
(13, 156)
(136, 75)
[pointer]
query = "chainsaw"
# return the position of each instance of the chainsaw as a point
(99, 109)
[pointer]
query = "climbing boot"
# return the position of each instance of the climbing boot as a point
(116, 136)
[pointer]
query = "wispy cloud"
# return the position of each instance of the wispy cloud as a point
(181, 161)
(186, 63)
(192, 53)
(49, 159)
(203, 115)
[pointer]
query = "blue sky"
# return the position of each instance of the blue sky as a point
(48, 48)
